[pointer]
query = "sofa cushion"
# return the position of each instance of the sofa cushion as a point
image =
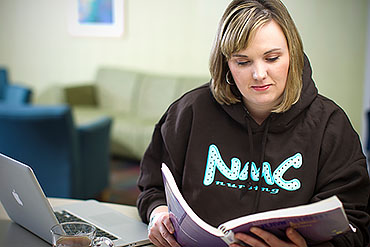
(185, 84)
(135, 101)
(81, 95)
(130, 135)
(116, 89)
(155, 95)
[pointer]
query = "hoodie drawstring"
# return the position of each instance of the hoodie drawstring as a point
(264, 141)
(251, 146)
(260, 164)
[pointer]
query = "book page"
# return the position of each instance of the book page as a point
(190, 230)
(316, 222)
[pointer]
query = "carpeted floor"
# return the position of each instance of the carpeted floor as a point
(122, 186)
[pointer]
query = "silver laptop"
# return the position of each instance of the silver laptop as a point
(25, 203)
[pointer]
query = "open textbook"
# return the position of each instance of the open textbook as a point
(316, 222)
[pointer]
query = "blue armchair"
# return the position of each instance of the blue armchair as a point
(69, 161)
(12, 94)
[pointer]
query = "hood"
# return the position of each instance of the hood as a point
(284, 120)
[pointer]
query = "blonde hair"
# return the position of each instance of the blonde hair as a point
(239, 23)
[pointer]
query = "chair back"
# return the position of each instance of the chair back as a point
(3, 82)
(44, 138)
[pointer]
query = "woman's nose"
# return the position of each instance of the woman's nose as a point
(259, 72)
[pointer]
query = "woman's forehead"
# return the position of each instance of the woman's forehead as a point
(266, 38)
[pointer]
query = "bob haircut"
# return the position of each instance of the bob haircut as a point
(240, 21)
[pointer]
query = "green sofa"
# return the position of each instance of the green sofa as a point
(135, 100)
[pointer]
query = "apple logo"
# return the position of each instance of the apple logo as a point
(17, 198)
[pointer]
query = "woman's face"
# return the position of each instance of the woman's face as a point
(260, 71)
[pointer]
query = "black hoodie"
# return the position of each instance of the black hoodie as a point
(216, 152)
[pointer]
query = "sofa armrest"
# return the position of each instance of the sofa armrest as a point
(16, 94)
(81, 95)
(94, 142)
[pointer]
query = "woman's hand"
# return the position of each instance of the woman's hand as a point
(270, 240)
(160, 228)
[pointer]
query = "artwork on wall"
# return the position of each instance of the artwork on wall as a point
(96, 18)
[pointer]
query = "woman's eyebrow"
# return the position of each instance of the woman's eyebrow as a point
(272, 50)
(267, 52)
(239, 55)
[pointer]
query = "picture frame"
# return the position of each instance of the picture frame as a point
(96, 18)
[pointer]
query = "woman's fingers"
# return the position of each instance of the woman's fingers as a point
(160, 233)
(295, 237)
(168, 224)
(266, 239)
(249, 240)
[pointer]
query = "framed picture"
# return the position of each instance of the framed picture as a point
(96, 18)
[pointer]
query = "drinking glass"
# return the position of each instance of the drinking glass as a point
(77, 234)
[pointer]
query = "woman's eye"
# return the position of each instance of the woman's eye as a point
(272, 59)
(240, 63)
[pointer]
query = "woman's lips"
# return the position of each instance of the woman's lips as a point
(261, 88)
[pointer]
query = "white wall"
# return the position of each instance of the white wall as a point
(161, 36)
(366, 100)
(334, 36)
(175, 36)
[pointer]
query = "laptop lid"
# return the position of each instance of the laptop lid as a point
(25, 203)
(23, 198)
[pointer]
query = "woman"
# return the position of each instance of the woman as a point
(261, 109)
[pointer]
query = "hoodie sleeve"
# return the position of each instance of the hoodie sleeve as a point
(343, 172)
(168, 145)
(150, 179)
